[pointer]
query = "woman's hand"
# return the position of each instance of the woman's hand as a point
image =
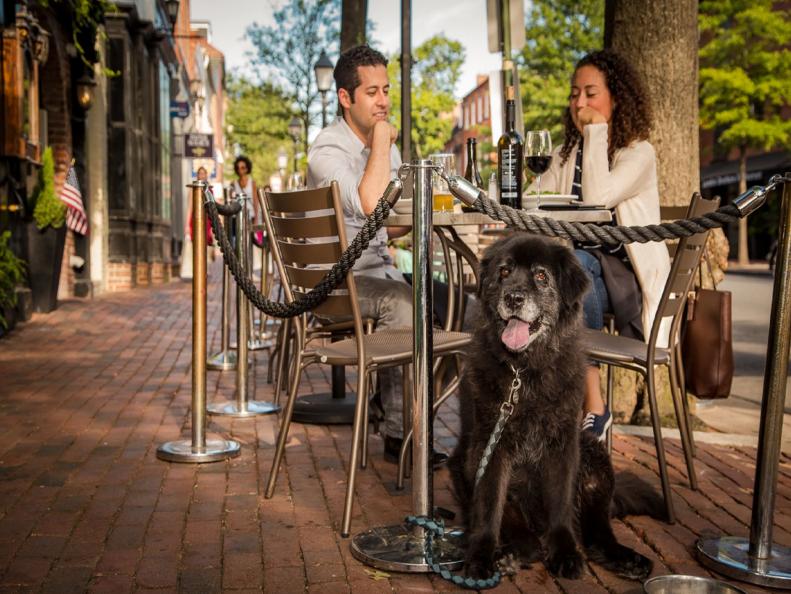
(587, 115)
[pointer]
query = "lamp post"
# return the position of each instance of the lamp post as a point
(282, 163)
(294, 129)
(323, 70)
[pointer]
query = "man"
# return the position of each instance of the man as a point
(358, 151)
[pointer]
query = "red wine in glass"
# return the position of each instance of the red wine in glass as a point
(538, 154)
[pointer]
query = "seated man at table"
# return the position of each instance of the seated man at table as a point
(357, 150)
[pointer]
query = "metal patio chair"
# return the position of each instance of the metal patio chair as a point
(317, 215)
(642, 357)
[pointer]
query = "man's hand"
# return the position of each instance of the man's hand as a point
(384, 132)
(587, 115)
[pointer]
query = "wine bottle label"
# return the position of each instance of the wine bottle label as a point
(509, 169)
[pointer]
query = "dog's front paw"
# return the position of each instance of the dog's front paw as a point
(634, 566)
(566, 564)
(563, 558)
(479, 561)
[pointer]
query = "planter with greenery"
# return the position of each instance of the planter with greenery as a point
(46, 237)
(12, 273)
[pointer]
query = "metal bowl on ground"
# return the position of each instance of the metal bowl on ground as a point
(688, 584)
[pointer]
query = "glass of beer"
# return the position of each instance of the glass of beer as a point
(443, 199)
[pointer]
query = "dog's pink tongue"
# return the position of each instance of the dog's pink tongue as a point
(516, 334)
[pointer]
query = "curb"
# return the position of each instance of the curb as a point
(731, 439)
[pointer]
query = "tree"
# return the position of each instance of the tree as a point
(435, 71)
(745, 80)
(558, 34)
(257, 118)
(286, 52)
(661, 41)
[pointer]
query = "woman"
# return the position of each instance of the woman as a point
(243, 168)
(607, 160)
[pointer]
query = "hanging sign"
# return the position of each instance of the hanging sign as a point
(198, 145)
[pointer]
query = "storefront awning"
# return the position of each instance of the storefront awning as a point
(759, 168)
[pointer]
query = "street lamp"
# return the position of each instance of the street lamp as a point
(172, 7)
(323, 70)
(294, 129)
(85, 86)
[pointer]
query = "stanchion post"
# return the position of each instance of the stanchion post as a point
(226, 358)
(758, 560)
(403, 548)
(198, 449)
(242, 407)
(423, 378)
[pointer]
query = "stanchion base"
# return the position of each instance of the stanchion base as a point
(252, 408)
(323, 409)
(396, 548)
(215, 450)
(222, 361)
(729, 555)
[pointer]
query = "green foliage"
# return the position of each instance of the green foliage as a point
(259, 117)
(12, 272)
(435, 72)
(745, 72)
(85, 17)
(49, 210)
(558, 34)
(286, 52)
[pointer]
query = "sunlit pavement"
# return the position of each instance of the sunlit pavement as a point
(88, 392)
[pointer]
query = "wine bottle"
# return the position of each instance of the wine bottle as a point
(509, 159)
(471, 174)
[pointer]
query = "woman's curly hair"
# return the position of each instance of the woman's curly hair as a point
(631, 115)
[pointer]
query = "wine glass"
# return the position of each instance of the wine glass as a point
(538, 155)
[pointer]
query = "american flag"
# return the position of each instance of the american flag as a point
(76, 219)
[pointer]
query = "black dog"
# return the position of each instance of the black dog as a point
(547, 484)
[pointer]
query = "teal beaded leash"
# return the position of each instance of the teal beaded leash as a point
(437, 527)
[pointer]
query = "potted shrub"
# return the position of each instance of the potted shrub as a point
(12, 272)
(46, 236)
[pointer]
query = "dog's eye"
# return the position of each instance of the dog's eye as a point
(540, 277)
(504, 272)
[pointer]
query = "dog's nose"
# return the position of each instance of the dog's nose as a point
(514, 299)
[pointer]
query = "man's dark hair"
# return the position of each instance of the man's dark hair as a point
(246, 161)
(345, 73)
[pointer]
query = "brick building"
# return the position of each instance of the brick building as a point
(125, 145)
(473, 120)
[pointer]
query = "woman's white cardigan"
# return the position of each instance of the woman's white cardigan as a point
(629, 187)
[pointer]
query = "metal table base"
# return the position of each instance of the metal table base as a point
(398, 548)
(729, 555)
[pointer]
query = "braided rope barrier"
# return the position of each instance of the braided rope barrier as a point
(319, 293)
(587, 233)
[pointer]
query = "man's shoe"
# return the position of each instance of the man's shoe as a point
(393, 449)
(597, 425)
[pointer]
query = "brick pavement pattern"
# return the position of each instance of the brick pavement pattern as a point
(87, 394)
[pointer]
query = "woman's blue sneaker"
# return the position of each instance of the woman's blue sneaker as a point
(597, 424)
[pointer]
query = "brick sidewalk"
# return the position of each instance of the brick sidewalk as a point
(89, 392)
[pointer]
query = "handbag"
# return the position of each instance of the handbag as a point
(707, 344)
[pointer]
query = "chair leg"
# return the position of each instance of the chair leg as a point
(684, 430)
(284, 427)
(679, 367)
(404, 459)
(364, 444)
(656, 422)
(359, 407)
(610, 386)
